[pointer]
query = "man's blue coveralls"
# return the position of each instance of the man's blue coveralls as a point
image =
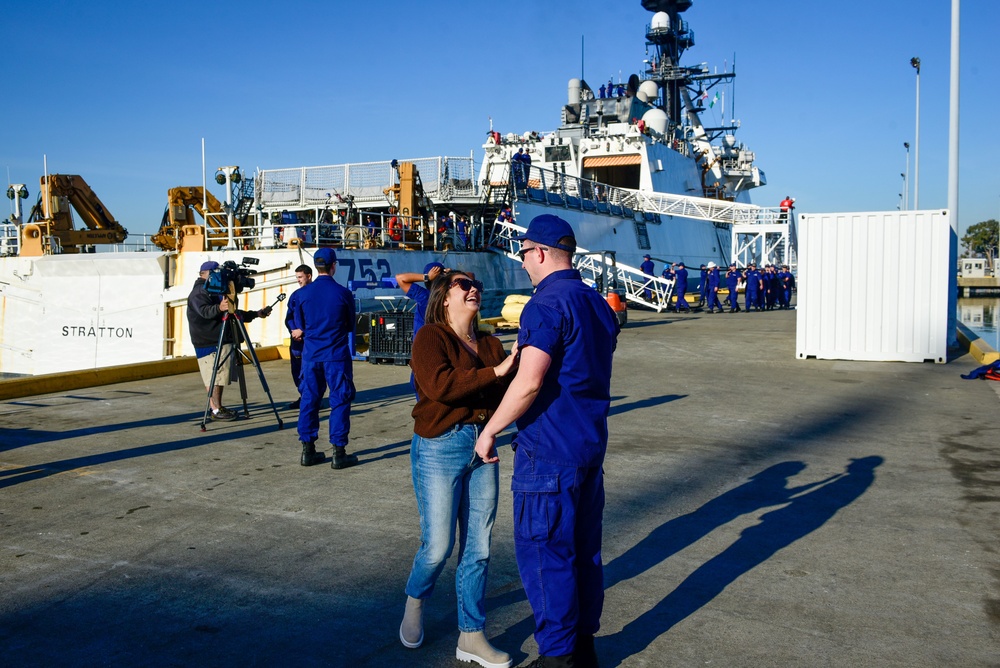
(703, 286)
(647, 267)
(753, 287)
(295, 345)
(732, 282)
(325, 313)
(558, 482)
(680, 287)
(713, 289)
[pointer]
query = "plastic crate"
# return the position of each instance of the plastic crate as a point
(390, 337)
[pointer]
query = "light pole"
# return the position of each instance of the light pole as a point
(906, 177)
(903, 196)
(915, 63)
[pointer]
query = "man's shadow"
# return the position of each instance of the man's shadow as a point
(808, 508)
(767, 488)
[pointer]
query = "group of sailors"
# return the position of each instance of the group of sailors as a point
(767, 288)
(611, 90)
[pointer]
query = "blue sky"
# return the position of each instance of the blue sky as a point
(123, 92)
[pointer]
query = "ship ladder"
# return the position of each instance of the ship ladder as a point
(653, 292)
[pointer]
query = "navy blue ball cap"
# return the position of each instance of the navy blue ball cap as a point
(209, 266)
(646, 257)
(324, 257)
(431, 265)
(547, 230)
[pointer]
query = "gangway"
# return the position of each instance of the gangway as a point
(653, 292)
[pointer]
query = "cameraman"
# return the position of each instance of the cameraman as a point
(204, 313)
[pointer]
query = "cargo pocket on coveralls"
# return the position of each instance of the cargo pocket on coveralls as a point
(535, 506)
(344, 389)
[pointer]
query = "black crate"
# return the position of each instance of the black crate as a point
(390, 337)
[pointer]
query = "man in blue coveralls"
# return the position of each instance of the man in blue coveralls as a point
(680, 288)
(713, 288)
(647, 267)
(325, 318)
(753, 288)
(733, 283)
(560, 400)
(303, 276)
(703, 286)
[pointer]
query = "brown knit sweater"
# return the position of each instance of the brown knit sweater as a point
(454, 384)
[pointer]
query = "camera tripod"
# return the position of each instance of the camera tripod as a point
(232, 323)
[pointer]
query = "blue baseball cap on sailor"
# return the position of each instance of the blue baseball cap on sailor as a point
(324, 257)
(431, 265)
(547, 230)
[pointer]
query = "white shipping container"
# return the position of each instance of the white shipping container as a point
(873, 286)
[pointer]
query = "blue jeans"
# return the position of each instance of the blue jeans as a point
(454, 487)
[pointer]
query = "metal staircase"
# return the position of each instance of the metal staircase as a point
(652, 292)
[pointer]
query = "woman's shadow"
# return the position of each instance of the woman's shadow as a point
(808, 508)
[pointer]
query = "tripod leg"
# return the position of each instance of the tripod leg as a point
(260, 373)
(215, 370)
(238, 361)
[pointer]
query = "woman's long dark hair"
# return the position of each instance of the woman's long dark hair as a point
(436, 313)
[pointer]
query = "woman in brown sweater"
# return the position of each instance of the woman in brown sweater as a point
(460, 376)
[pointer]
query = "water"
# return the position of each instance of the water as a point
(981, 315)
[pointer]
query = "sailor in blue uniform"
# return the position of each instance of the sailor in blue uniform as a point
(647, 267)
(784, 287)
(303, 276)
(703, 286)
(753, 287)
(732, 282)
(762, 293)
(325, 314)
(560, 400)
(713, 288)
(680, 288)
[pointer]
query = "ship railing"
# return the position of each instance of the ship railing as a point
(10, 238)
(546, 186)
(378, 230)
(653, 292)
(443, 179)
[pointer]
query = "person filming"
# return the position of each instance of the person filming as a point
(205, 313)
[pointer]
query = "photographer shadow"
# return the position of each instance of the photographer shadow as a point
(807, 508)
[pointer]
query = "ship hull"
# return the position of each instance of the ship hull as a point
(73, 312)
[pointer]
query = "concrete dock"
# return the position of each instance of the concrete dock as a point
(761, 511)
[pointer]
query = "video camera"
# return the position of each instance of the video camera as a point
(230, 272)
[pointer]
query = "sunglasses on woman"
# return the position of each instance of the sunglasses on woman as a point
(467, 284)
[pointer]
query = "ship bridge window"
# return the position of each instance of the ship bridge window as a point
(557, 153)
(621, 171)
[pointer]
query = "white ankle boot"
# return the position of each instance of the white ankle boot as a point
(476, 648)
(411, 631)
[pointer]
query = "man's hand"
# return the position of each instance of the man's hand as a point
(264, 312)
(486, 448)
(224, 305)
(297, 334)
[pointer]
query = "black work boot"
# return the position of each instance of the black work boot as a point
(585, 654)
(309, 454)
(565, 661)
(341, 460)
